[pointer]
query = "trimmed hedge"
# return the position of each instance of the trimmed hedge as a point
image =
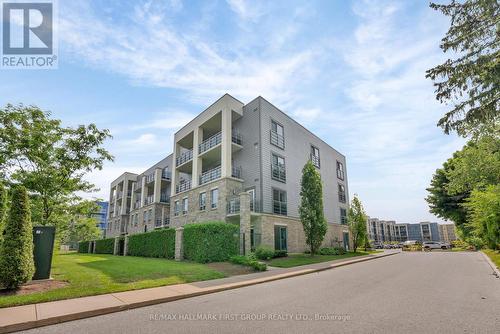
(83, 247)
(157, 243)
(264, 253)
(105, 246)
(210, 242)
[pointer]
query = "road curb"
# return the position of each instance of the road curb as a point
(496, 272)
(201, 291)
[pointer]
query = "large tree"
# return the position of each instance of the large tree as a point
(3, 206)
(49, 159)
(484, 214)
(311, 207)
(356, 219)
(470, 80)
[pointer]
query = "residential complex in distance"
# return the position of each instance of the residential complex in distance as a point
(241, 164)
(101, 216)
(380, 231)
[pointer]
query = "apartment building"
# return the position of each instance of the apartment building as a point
(447, 232)
(229, 154)
(101, 215)
(381, 231)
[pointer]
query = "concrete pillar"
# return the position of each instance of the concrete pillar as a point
(143, 191)
(226, 143)
(125, 246)
(157, 185)
(132, 198)
(196, 161)
(124, 198)
(179, 251)
(245, 218)
(116, 248)
(175, 172)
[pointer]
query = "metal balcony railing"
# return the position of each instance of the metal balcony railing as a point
(150, 178)
(210, 175)
(164, 198)
(184, 157)
(210, 142)
(315, 160)
(277, 139)
(119, 195)
(279, 208)
(183, 186)
(342, 197)
(165, 174)
(233, 206)
(278, 172)
(150, 199)
(237, 138)
(123, 228)
(137, 204)
(236, 172)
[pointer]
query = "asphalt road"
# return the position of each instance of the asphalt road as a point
(438, 292)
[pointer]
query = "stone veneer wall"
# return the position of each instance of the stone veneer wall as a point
(157, 213)
(228, 188)
(264, 225)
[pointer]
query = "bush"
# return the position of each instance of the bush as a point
(105, 246)
(264, 253)
(476, 242)
(280, 253)
(248, 261)
(210, 242)
(16, 263)
(332, 251)
(83, 247)
(157, 243)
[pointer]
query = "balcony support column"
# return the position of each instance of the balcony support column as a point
(245, 218)
(132, 197)
(196, 171)
(157, 185)
(226, 128)
(124, 197)
(143, 191)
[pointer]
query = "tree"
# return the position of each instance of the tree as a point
(16, 262)
(82, 225)
(48, 159)
(484, 213)
(3, 206)
(356, 219)
(471, 80)
(311, 207)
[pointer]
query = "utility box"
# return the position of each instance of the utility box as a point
(43, 240)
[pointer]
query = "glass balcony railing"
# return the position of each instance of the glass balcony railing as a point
(277, 139)
(184, 157)
(210, 142)
(150, 178)
(183, 186)
(210, 175)
(236, 138)
(164, 198)
(150, 199)
(165, 174)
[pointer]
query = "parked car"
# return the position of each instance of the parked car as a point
(378, 245)
(430, 245)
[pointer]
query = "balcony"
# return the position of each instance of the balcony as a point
(164, 198)
(137, 204)
(236, 172)
(149, 200)
(278, 172)
(315, 160)
(119, 195)
(210, 142)
(233, 206)
(210, 175)
(166, 175)
(280, 208)
(123, 228)
(277, 140)
(342, 197)
(183, 186)
(150, 178)
(184, 157)
(236, 138)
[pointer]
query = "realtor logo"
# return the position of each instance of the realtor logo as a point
(28, 34)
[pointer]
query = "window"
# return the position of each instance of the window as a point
(343, 216)
(315, 156)
(278, 171)
(176, 208)
(203, 201)
(144, 217)
(214, 198)
(342, 196)
(279, 202)
(277, 135)
(184, 206)
(150, 217)
(340, 170)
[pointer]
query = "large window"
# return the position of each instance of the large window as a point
(176, 208)
(340, 170)
(150, 216)
(184, 206)
(214, 198)
(278, 171)
(203, 201)
(277, 135)
(315, 156)
(279, 202)
(342, 195)
(145, 216)
(343, 216)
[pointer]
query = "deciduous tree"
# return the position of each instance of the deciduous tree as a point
(356, 219)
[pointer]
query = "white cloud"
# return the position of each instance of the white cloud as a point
(247, 10)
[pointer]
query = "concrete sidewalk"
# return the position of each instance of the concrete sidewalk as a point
(42, 314)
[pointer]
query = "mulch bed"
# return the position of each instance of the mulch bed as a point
(34, 287)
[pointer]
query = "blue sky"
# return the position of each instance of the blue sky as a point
(351, 72)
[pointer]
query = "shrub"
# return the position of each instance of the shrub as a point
(332, 251)
(210, 242)
(280, 253)
(248, 261)
(476, 242)
(83, 247)
(264, 253)
(3, 202)
(16, 263)
(157, 243)
(105, 246)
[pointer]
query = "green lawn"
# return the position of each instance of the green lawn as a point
(93, 274)
(293, 260)
(494, 256)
